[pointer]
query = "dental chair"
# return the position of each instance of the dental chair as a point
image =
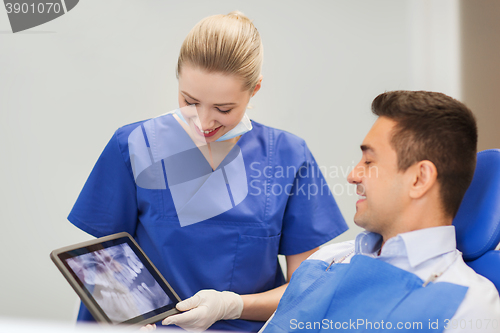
(477, 222)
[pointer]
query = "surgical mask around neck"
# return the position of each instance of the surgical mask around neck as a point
(243, 126)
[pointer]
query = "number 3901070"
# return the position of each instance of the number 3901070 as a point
(39, 8)
(476, 325)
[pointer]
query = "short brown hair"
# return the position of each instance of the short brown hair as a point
(435, 127)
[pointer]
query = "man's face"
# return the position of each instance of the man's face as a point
(378, 183)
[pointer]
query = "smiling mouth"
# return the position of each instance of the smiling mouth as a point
(207, 133)
(361, 197)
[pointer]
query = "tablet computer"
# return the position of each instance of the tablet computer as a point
(116, 280)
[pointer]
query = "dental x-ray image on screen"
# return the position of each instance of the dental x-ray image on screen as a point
(119, 282)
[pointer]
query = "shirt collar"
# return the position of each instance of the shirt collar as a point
(367, 243)
(424, 244)
(418, 246)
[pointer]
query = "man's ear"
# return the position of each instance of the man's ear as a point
(257, 86)
(424, 177)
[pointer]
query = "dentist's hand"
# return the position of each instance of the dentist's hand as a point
(148, 327)
(205, 308)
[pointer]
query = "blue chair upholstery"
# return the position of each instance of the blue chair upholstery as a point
(478, 219)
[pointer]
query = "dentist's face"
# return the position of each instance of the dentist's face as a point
(219, 101)
(379, 184)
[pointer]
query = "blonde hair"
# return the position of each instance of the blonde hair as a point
(229, 44)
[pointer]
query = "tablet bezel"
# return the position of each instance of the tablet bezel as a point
(91, 304)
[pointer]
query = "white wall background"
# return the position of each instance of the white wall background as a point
(67, 85)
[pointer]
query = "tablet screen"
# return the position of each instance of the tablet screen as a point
(119, 280)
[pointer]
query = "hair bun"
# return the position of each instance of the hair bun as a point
(239, 15)
(229, 44)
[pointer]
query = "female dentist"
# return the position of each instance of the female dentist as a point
(217, 245)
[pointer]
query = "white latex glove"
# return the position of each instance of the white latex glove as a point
(148, 327)
(205, 308)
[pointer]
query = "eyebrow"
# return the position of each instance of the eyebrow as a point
(219, 104)
(367, 148)
(185, 93)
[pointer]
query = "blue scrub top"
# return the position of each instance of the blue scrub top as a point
(289, 209)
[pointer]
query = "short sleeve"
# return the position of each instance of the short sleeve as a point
(107, 203)
(311, 216)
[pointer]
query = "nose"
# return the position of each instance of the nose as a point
(205, 118)
(354, 176)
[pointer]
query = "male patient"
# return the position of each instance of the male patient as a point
(404, 272)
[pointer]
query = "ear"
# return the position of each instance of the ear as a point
(257, 86)
(424, 178)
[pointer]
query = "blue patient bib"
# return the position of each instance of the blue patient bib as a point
(365, 295)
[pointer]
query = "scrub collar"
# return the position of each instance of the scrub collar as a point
(243, 126)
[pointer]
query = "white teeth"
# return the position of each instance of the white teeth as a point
(206, 132)
(361, 196)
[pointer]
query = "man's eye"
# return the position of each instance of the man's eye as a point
(368, 162)
(188, 102)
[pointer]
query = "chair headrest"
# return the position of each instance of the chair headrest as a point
(477, 222)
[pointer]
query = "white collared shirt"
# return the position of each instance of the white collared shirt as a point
(426, 252)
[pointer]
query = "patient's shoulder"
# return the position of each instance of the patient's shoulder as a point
(460, 273)
(336, 250)
(481, 302)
